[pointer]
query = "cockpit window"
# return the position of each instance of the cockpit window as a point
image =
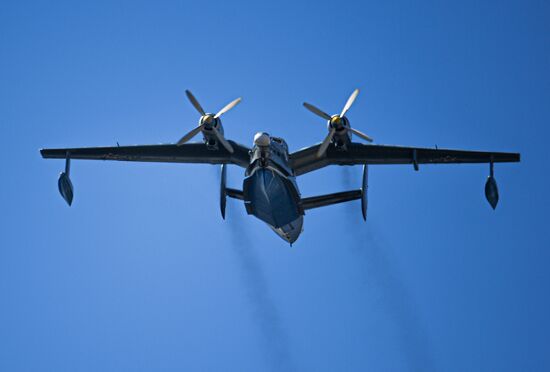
(281, 142)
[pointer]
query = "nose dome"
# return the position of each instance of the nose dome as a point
(262, 139)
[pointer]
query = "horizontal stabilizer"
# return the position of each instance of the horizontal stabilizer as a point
(235, 194)
(329, 199)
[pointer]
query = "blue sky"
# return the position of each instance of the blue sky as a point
(142, 274)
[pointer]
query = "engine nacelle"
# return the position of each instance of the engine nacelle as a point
(209, 137)
(342, 135)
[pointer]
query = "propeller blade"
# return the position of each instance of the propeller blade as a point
(316, 111)
(227, 107)
(194, 102)
(350, 101)
(223, 141)
(361, 134)
(190, 135)
(326, 142)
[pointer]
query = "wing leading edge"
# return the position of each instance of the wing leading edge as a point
(305, 160)
(188, 153)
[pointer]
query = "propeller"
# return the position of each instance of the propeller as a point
(336, 123)
(208, 121)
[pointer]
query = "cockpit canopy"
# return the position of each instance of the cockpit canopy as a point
(263, 139)
(281, 142)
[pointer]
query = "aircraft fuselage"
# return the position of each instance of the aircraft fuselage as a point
(270, 190)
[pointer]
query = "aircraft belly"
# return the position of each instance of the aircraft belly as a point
(273, 199)
(291, 231)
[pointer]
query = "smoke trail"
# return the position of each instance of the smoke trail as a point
(274, 338)
(380, 274)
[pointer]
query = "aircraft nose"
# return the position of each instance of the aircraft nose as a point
(262, 139)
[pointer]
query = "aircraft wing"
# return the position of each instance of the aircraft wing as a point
(305, 160)
(169, 153)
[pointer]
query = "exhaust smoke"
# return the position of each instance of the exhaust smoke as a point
(378, 271)
(274, 339)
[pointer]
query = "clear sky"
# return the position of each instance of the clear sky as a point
(142, 274)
